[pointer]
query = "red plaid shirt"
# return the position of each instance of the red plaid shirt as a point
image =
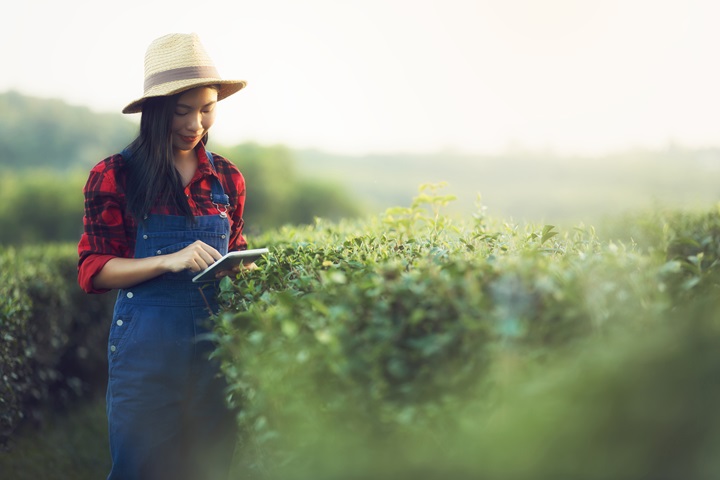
(110, 229)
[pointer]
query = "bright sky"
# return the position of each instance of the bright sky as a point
(361, 76)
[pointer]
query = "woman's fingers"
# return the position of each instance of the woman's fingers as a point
(195, 257)
(205, 258)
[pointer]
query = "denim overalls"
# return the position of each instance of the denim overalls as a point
(165, 399)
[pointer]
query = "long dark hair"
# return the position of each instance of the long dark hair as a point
(152, 178)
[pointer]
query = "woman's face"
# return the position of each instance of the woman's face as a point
(193, 117)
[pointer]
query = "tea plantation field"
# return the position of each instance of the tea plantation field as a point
(415, 345)
(411, 346)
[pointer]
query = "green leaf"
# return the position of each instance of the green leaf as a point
(547, 233)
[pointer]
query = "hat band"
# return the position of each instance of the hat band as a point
(183, 73)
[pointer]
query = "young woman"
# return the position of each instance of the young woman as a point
(155, 215)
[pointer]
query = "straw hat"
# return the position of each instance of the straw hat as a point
(178, 62)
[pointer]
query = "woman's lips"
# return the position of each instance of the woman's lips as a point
(188, 139)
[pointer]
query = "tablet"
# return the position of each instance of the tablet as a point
(228, 262)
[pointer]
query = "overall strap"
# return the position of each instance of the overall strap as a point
(218, 192)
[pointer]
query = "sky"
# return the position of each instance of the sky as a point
(371, 76)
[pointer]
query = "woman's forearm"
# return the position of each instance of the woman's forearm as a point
(127, 272)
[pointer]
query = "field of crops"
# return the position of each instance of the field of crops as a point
(413, 345)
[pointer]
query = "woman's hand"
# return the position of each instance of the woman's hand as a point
(196, 257)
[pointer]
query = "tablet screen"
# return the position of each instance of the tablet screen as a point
(228, 262)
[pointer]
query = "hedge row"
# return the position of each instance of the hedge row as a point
(53, 348)
(412, 345)
(354, 338)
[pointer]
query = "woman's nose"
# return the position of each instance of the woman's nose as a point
(194, 122)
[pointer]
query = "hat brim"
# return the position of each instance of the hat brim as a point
(225, 89)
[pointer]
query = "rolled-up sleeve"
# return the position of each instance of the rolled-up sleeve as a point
(104, 236)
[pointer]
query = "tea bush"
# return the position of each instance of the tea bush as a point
(356, 337)
(414, 345)
(53, 345)
(688, 240)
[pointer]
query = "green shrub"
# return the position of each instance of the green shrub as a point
(415, 346)
(359, 333)
(276, 196)
(53, 348)
(688, 241)
(54, 203)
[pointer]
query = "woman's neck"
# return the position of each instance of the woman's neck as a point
(186, 164)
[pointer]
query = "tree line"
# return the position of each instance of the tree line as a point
(48, 146)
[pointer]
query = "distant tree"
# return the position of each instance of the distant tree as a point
(278, 194)
(39, 207)
(48, 146)
(49, 133)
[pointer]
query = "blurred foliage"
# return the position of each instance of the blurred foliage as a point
(47, 148)
(38, 206)
(53, 347)
(72, 444)
(415, 346)
(294, 186)
(689, 240)
(533, 186)
(277, 194)
(41, 206)
(48, 133)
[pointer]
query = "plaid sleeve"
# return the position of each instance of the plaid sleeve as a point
(104, 228)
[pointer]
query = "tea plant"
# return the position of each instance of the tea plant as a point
(375, 329)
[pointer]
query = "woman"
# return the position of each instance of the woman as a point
(155, 214)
